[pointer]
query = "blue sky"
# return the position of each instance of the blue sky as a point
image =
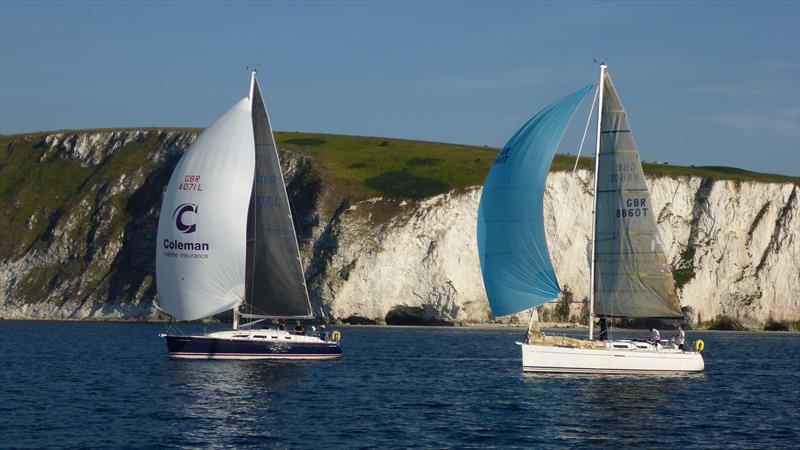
(705, 83)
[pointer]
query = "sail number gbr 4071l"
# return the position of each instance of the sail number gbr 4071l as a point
(634, 207)
(190, 183)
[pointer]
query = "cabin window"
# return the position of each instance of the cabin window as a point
(287, 337)
(274, 337)
(260, 337)
(620, 346)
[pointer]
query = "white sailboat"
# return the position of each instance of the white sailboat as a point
(226, 241)
(630, 275)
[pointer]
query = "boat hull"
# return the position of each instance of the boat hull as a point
(553, 359)
(209, 347)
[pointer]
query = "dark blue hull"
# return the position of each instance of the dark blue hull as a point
(200, 347)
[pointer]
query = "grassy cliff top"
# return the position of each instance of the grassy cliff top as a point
(364, 167)
(38, 186)
(367, 167)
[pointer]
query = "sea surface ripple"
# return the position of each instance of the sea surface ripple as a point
(111, 385)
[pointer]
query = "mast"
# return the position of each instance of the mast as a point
(236, 314)
(594, 209)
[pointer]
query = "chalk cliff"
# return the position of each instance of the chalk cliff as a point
(89, 252)
(734, 247)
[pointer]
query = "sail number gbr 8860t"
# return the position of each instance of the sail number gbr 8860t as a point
(635, 207)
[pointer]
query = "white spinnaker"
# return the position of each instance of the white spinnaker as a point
(202, 281)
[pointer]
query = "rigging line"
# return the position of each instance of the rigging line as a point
(578, 158)
(583, 139)
(560, 141)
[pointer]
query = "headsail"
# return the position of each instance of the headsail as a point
(275, 281)
(200, 248)
(632, 276)
(512, 246)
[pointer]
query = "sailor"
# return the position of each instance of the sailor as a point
(299, 328)
(603, 336)
(655, 337)
(680, 337)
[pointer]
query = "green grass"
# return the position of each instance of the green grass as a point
(683, 271)
(723, 323)
(28, 188)
(563, 162)
(367, 167)
(355, 167)
(305, 142)
(716, 173)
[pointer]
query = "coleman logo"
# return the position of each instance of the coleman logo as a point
(183, 219)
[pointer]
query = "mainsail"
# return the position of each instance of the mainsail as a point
(516, 267)
(225, 234)
(200, 249)
(275, 281)
(632, 276)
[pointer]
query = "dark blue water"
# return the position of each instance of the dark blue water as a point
(111, 385)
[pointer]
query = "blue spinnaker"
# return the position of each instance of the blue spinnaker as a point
(512, 246)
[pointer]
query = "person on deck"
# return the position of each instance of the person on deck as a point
(655, 337)
(603, 336)
(680, 337)
(299, 329)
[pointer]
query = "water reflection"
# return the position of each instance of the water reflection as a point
(239, 400)
(633, 405)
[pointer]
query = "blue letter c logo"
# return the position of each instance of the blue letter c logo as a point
(178, 215)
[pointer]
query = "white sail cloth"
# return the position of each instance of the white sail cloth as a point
(632, 276)
(200, 250)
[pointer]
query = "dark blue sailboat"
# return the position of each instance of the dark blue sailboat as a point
(226, 241)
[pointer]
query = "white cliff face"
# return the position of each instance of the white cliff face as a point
(90, 148)
(746, 237)
(424, 257)
(736, 245)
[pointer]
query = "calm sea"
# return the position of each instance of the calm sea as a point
(97, 385)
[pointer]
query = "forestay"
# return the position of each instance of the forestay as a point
(516, 267)
(632, 276)
(200, 249)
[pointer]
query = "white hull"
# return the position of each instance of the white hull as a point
(624, 357)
